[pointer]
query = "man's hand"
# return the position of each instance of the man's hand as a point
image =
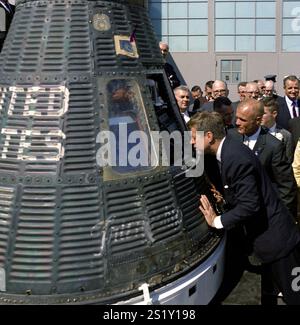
(217, 195)
(207, 210)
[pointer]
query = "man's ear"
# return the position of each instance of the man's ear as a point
(275, 113)
(259, 119)
(210, 137)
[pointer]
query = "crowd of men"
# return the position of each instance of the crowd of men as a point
(270, 125)
(260, 184)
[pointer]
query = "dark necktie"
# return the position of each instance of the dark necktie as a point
(294, 109)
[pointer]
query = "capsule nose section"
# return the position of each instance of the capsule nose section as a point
(72, 230)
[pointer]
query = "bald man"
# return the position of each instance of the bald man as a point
(268, 149)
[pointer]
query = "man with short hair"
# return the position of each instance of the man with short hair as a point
(270, 90)
(269, 121)
(196, 92)
(182, 95)
(268, 149)
(170, 72)
(252, 90)
(254, 211)
(261, 88)
(208, 90)
(199, 100)
(241, 89)
(289, 104)
(219, 88)
(222, 105)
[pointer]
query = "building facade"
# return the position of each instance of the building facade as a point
(232, 40)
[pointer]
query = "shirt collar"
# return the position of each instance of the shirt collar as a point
(255, 135)
(273, 128)
(218, 155)
(289, 101)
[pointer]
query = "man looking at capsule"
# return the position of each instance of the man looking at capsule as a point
(266, 227)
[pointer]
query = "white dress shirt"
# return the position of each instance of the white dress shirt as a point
(278, 135)
(217, 221)
(251, 140)
(186, 116)
(289, 105)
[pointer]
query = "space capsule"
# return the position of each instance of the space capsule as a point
(73, 230)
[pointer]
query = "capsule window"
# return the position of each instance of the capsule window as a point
(131, 148)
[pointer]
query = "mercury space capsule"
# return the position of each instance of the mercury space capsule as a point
(74, 231)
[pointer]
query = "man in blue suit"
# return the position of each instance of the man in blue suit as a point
(267, 228)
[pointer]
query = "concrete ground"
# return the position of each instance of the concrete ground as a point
(247, 292)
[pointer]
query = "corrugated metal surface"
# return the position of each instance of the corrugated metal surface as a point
(34, 240)
(64, 228)
(7, 196)
(80, 235)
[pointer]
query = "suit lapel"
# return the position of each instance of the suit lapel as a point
(260, 142)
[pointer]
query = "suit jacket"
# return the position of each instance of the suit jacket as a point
(284, 115)
(287, 141)
(294, 128)
(268, 227)
(172, 76)
(208, 107)
(271, 154)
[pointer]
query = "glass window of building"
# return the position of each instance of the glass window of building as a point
(182, 24)
(245, 26)
(291, 26)
(231, 71)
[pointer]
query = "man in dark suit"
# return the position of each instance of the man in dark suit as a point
(269, 150)
(269, 121)
(266, 225)
(289, 104)
(294, 128)
(223, 106)
(170, 72)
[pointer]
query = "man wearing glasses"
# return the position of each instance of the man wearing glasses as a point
(219, 89)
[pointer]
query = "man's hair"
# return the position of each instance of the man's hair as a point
(209, 84)
(291, 78)
(208, 121)
(242, 83)
(256, 106)
(196, 88)
(220, 101)
(164, 43)
(182, 87)
(221, 81)
(271, 103)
